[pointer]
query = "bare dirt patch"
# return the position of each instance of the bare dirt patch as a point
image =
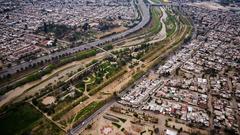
(48, 100)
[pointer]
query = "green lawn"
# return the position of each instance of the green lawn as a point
(157, 25)
(44, 127)
(18, 119)
(170, 24)
(23, 119)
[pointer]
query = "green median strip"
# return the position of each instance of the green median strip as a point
(87, 111)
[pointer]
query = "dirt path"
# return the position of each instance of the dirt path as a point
(114, 30)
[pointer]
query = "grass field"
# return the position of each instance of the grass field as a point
(18, 119)
(44, 127)
(157, 25)
(24, 119)
(170, 24)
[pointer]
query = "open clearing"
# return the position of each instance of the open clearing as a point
(49, 100)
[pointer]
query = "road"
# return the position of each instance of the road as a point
(145, 13)
(78, 129)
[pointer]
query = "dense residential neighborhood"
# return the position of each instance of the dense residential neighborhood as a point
(119, 67)
(201, 79)
(19, 42)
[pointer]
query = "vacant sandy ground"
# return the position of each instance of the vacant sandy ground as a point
(101, 124)
(48, 100)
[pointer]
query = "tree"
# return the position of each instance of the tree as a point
(135, 115)
(177, 71)
(212, 132)
(9, 65)
(34, 101)
(85, 26)
(89, 126)
(54, 42)
(156, 130)
(180, 130)
(78, 93)
(211, 71)
(25, 27)
(45, 27)
(229, 131)
(115, 94)
(166, 74)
